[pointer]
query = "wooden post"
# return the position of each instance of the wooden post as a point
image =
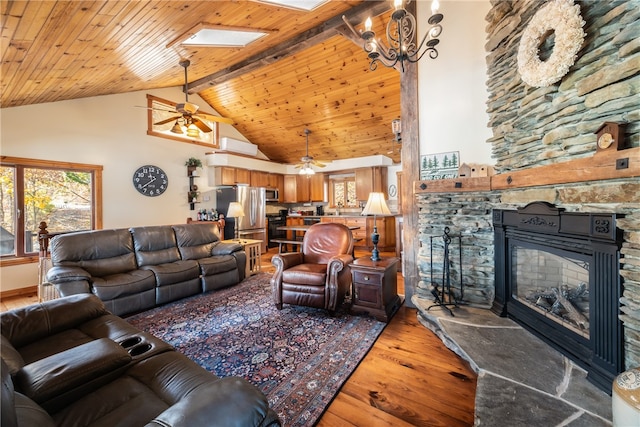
(410, 173)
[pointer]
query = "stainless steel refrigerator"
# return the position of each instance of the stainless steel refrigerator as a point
(253, 224)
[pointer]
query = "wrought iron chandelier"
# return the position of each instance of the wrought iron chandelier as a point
(401, 38)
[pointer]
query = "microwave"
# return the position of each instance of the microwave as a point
(271, 194)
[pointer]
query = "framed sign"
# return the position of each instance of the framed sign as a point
(439, 166)
(164, 121)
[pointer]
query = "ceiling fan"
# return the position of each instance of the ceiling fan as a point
(188, 112)
(307, 161)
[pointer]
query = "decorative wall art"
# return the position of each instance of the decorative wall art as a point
(439, 166)
(561, 20)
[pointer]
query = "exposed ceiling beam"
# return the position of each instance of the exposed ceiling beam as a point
(292, 46)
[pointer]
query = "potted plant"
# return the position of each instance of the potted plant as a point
(192, 163)
(193, 196)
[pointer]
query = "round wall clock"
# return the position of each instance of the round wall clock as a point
(150, 180)
(605, 141)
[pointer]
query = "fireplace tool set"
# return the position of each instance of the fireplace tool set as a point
(444, 294)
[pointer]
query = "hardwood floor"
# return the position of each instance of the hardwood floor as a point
(408, 378)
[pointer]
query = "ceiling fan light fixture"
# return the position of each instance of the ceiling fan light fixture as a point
(307, 170)
(177, 128)
(193, 131)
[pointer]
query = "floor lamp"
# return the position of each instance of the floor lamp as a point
(235, 211)
(375, 206)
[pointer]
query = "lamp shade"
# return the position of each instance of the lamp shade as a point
(235, 210)
(376, 205)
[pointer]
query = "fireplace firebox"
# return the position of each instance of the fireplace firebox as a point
(557, 275)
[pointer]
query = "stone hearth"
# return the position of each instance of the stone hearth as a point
(520, 378)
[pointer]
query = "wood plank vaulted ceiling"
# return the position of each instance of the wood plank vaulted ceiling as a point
(306, 73)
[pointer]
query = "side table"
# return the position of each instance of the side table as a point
(254, 254)
(375, 287)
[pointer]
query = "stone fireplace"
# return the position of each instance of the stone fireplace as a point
(557, 274)
(544, 147)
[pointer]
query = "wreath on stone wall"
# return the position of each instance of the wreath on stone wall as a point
(563, 18)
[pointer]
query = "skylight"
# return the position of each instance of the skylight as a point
(297, 4)
(223, 37)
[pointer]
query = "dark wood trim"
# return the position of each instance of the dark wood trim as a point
(410, 173)
(296, 44)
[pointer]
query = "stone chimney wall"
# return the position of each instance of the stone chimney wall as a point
(534, 127)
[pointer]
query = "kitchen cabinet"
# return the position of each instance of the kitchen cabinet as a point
(302, 188)
(373, 179)
(290, 189)
(275, 180)
(225, 175)
(316, 187)
(243, 176)
(259, 179)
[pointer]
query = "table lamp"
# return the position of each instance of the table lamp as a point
(375, 206)
(235, 211)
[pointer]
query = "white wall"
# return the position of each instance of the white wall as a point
(452, 88)
(108, 131)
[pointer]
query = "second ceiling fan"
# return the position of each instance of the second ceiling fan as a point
(307, 160)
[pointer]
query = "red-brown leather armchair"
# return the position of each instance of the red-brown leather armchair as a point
(317, 276)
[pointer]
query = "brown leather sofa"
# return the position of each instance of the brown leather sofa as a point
(317, 276)
(135, 269)
(69, 362)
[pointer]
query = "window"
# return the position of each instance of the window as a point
(66, 196)
(163, 121)
(343, 191)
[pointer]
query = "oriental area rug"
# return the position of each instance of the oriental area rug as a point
(298, 356)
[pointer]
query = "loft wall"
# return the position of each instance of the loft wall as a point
(532, 127)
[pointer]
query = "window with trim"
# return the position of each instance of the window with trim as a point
(67, 196)
(343, 192)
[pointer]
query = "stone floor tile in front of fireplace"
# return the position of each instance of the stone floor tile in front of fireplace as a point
(521, 380)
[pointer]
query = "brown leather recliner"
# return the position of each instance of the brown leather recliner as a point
(317, 276)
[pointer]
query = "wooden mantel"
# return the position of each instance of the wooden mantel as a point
(602, 166)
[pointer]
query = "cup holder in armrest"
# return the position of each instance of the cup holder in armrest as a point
(130, 342)
(139, 349)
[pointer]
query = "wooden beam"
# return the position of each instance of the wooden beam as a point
(601, 166)
(410, 172)
(292, 46)
(454, 185)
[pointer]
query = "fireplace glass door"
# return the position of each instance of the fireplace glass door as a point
(554, 283)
